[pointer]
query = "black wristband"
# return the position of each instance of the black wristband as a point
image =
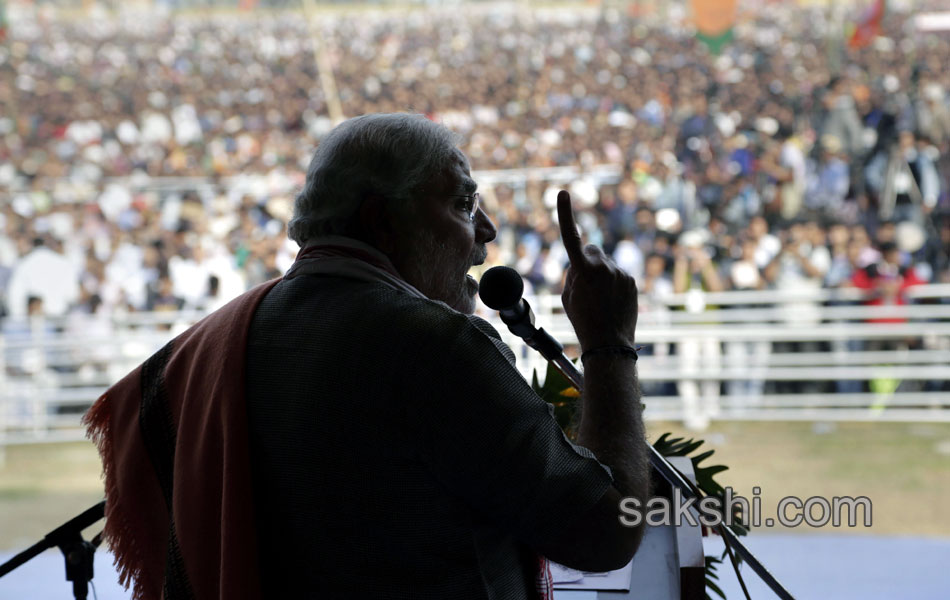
(627, 351)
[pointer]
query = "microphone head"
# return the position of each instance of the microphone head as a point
(500, 288)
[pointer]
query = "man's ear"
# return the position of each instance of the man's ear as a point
(376, 220)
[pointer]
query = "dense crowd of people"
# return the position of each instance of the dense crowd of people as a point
(150, 164)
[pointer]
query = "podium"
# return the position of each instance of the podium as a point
(669, 565)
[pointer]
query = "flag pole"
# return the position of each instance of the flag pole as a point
(324, 65)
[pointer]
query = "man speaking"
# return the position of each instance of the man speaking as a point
(351, 430)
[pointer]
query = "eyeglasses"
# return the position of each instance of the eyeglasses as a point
(470, 205)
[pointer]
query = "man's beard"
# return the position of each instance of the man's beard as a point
(440, 275)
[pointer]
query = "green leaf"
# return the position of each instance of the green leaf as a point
(552, 392)
(715, 588)
(712, 563)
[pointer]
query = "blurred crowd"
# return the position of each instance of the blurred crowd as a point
(149, 164)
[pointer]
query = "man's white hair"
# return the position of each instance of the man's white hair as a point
(391, 155)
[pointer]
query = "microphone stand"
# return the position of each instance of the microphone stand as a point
(77, 551)
(521, 322)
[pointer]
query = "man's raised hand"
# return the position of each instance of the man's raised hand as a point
(599, 298)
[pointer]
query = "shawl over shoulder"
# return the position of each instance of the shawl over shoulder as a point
(172, 435)
(173, 438)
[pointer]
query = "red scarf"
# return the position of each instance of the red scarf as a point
(172, 435)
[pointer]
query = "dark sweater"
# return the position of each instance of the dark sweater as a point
(397, 452)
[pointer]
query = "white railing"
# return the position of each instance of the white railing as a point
(791, 358)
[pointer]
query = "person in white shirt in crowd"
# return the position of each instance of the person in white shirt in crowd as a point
(694, 273)
(656, 288)
(47, 275)
(628, 256)
(801, 264)
(129, 271)
(749, 356)
(26, 364)
(845, 262)
(767, 246)
(799, 268)
(189, 274)
(8, 250)
(24, 336)
(90, 322)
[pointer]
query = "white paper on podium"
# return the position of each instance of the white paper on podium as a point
(574, 595)
(571, 579)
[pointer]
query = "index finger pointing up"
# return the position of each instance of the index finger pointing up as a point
(569, 233)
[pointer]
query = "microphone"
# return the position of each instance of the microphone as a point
(501, 289)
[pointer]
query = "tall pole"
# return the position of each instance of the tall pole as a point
(324, 66)
(834, 38)
(11, 102)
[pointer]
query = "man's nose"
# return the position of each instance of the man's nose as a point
(484, 229)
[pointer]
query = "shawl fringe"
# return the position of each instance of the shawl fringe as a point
(118, 532)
